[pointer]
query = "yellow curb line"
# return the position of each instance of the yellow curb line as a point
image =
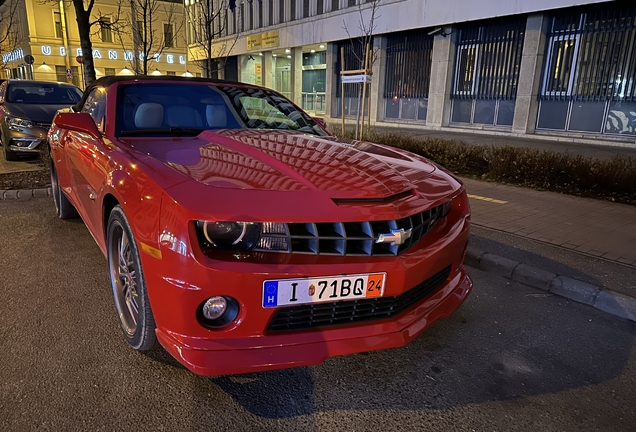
(496, 201)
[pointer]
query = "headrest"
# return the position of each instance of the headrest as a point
(149, 115)
(216, 116)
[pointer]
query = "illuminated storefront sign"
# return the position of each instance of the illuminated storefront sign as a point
(17, 54)
(262, 41)
(97, 54)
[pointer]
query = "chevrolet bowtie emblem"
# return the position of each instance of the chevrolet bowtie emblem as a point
(397, 237)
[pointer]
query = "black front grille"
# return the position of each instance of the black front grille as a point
(346, 238)
(353, 311)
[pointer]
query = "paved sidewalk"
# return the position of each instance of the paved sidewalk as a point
(597, 228)
(18, 166)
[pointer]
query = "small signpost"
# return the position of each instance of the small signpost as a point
(69, 74)
(80, 60)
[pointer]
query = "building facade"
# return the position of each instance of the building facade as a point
(562, 68)
(48, 32)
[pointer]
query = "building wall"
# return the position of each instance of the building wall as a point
(110, 57)
(483, 62)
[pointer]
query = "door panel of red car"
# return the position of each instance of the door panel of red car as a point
(88, 162)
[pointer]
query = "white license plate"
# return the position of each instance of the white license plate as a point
(285, 292)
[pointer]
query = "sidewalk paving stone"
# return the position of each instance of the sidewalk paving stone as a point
(599, 228)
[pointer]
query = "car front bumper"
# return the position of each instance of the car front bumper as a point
(180, 278)
(252, 354)
(26, 140)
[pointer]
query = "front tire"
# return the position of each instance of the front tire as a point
(128, 284)
(63, 207)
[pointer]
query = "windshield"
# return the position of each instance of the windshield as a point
(31, 93)
(169, 109)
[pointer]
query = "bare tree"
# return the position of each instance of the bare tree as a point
(155, 26)
(86, 20)
(368, 56)
(208, 23)
(10, 35)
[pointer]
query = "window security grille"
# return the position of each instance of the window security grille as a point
(488, 60)
(408, 65)
(591, 55)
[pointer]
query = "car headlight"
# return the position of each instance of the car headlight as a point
(17, 123)
(241, 236)
(446, 207)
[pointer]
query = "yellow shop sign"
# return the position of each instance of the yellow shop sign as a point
(263, 41)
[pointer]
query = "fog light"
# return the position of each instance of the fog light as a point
(217, 311)
(214, 308)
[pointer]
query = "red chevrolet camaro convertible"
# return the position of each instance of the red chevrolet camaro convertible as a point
(243, 237)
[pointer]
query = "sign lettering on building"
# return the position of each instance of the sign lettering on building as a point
(263, 41)
(97, 54)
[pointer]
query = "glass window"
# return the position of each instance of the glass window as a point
(484, 112)
(109, 71)
(409, 108)
(467, 59)
(306, 8)
(506, 112)
(281, 11)
(107, 35)
(462, 110)
(95, 106)
(58, 24)
(587, 116)
(553, 115)
(157, 109)
(40, 94)
(335, 5)
(392, 108)
(561, 58)
(292, 10)
(320, 7)
(168, 37)
(140, 31)
(351, 3)
(422, 109)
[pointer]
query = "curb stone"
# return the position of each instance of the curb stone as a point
(23, 194)
(600, 298)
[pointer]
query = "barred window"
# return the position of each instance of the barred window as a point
(488, 60)
(408, 64)
(591, 55)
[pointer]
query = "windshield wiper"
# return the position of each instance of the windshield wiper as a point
(173, 131)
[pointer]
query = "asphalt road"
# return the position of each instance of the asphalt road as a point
(511, 359)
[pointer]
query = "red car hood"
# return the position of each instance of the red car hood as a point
(288, 161)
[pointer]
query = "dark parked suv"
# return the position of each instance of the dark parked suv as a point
(26, 112)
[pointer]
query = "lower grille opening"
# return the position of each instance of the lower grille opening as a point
(353, 311)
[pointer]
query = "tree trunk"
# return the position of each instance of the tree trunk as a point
(84, 28)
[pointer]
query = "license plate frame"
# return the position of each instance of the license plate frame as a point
(283, 292)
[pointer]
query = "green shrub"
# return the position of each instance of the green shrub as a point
(613, 179)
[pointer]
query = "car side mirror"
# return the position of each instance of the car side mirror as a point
(78, 122)
(321, 122)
